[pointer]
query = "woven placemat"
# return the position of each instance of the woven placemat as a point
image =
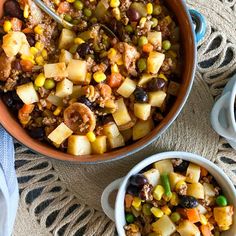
(59, 198)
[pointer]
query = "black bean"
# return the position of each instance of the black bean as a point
(85, 101)
(83, 50)
(37, 133)
(138, 180)
(7, 99)
(23, 80)
(15, 96)
(140, 95)
(12, 8)
(31, 39)
(133, 14)
(156, 84)
(188, 202)
(182, 167)
(133, 190)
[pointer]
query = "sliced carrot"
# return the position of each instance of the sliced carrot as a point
(147, 48)
(114, 80)
(16, 24)
(206, 230)
(128, 200)
(24, 113)
(27, 108)
(63, 7)
(203, 172)
(193, 215)
(26, 65)
(27, 30)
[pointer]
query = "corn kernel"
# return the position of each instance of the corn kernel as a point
(45, 54)
(136, 203)
(114, 68)
(78, 41)
(26, 11)
(168, 20)
(157, 212)
(174, 201)
(34, 51)
(158, 192)
(70, 1)
(88, 76)
(162, 76)
(120, 61)
(40, 80)
(180, 185)
(166, 210)
(39, 60)
(57, 111)
(28, 58)
(7, 26)
(99, 76)
(38, 29)
(116, 13)
(57, 2)
(142, 22)
(91, 136)
(111, 53)
(203, 219)
(149, 8)
(39, 46)
(114, 3)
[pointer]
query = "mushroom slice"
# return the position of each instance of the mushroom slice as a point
(79, 118)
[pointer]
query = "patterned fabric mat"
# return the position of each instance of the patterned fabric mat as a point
(60, 198)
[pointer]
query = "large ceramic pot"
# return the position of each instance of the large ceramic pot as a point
(189, 37)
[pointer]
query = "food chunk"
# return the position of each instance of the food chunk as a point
(142, 128)
(99, 146)
(193, 173)
(27, 93)
(66, 39)
(155, 61)
(164, 226)
(127, 88)
(164, 166)
(187, 228)
(65, 56)
(156, 99)
(153, 176)
(79, 145)
(77, 70)
(155, 38)
(223, 216)
(142, 110)
(196, 190)
(64, 88)
(55, 70)
(5, 66)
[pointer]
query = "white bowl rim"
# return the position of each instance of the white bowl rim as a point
(194, 158)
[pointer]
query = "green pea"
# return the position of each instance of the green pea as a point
(157, 10)
(93, 20)
(68, 17)
(154, 22)
(142, 64)
(142, 41)
(129, 29)
(78, 5)
(175, 217)
(75, 21)
(166, 184)
(166, 45)
(87, 12)
(129, 218)
(106, 43)
(221, 200)
(49, 84)
(147, 209)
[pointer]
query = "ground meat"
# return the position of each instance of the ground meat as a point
(100, 67)
(43, 102)
(10, 84)
(146, 192)
(125, 4)
(90, 63)
(49, 121)
(182, 190)
(36, 14)
(176, 162)
(167, 65)
(43, 92)
(5, 66)
(132, 230)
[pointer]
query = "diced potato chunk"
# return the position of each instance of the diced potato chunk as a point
(145, 78)
(55, 70)
(64, 88)
(77, 71)
(155, 61)
(65, 56)
(99, 146)
(127, 134)
(164, 166)
(209, 190)
(153, 176)
(202, 210)
(193, 173)
(111, 130)
(156, 99)
(79, 145)
(155, 38)
(121, 115)
(27, 93)
(164, 226)
(175, 178)
(196, 190)
(66, 39)
(127, 88)
(117, 141)
(187, 228)
(223, 216)
(55, 100)
(60, 134)
(142, 128)
(142, 110)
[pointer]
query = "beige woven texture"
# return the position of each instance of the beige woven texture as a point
(58, 198)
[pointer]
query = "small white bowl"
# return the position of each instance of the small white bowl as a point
(118, 215)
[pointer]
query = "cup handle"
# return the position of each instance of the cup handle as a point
(219, 105)
(109, 211)
(199, 23)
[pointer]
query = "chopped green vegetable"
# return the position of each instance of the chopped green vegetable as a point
(154, 22)
(87, 12)
(78, 5)
(129, 29)
(175, 217)
(166, 44)
(147, 209)
(129, 218)
(142, 41)
(142, 64)
(221, 201)
(157, 10)
(68, 17)
(166, 184)
(49, 84)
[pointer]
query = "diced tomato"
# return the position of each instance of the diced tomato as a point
(26, 65)
(16, 24)
(63, 7)
(193, 215)
(147, 48)
(114, 80)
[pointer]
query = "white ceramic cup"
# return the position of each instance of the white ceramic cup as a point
(118, 214)
(222, 115)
